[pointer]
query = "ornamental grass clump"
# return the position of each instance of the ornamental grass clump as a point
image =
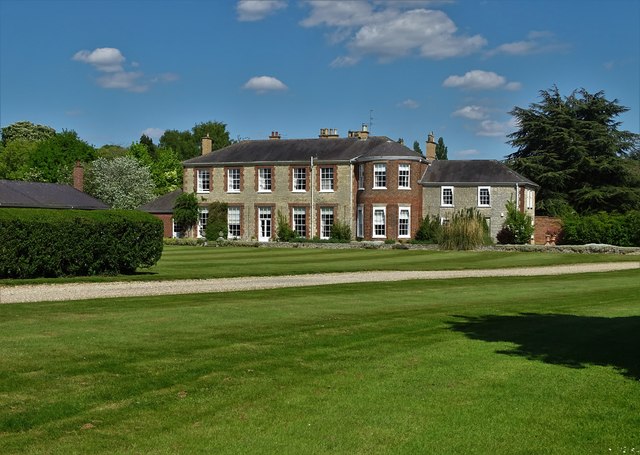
(466, 230)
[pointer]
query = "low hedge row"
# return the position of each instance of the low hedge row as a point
(50, 243)
(611, 229)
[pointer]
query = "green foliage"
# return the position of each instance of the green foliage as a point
(573, 149)
(111, 151)
(517, 228)
(148, 142)
(340, 231)
(466, 230)
(217, 221)
(187, 144)
(185, 211)
(284, 232)
(612, 229)
(26, 131)
(52, 243)
(430, 230)
(441, 150)
(141, 153)
(54, 158)
(14, 159)
(416, 148)
(121, 183)
(166, 171)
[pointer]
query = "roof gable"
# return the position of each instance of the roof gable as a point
(14, 193)
(162, 204)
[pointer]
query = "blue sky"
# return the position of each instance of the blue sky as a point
(111, 70)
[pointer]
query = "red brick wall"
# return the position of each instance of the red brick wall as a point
(546, 224)
(167, 222)
(391, 197)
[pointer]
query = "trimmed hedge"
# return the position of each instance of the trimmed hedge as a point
(51, 243)
(606, 228)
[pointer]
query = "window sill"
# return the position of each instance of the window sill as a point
(298, 191)
(203, 192)
(447, 206)
(378, 236)
(404, 188)
(265, 191)
(233, 191)
(327, 191)
(379, 188)
(484, 206)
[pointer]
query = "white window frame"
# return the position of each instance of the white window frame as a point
(175, 233)
(203, 177)
(529, 197)
(233, 183)
(297, 212)
(404, 172)
(361, 176)
(297, 179)
(444, 189)
(383, 233)
(266, 214)
(233, 215)
(379, 176)
(480, 189)
(265, 177)
(203, 217)
(325, 228)
(360, 221)
(407, 209)
(327, 181)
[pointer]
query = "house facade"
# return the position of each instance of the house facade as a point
(378, 187)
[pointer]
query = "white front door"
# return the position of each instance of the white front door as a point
(264, 224)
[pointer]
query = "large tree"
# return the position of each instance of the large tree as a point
(26, 131)
(187, 143)
(573, 148)
(53, 158)
(121, 183)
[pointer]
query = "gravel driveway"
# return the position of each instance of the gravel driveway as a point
(82, 291)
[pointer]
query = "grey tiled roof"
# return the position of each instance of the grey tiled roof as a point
(472, 172)
(14, 193)
(301, 151)
(163, 204)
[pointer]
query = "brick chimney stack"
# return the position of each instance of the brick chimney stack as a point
(78, 176)
(275, 136)
(207, 144)
(328, 133)
(431, 147)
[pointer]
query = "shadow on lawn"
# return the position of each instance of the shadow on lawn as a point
(560, 339)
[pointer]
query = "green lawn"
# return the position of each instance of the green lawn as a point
(500, 366)
(179, 262)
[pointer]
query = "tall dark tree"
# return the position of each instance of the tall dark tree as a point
(151, 147)
(416, 147)
(441, 150)
(572, 147)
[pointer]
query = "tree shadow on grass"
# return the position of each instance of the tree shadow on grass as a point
(561, 339)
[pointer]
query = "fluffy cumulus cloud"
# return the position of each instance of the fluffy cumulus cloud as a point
(255, 10)
(107, 59)
(492, 128)
(389, 30)
(480, 80)
(471, 112)
(263, 84)
(109, 62)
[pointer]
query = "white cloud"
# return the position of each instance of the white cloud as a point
(471, 112)
(391, 29)
(126, 80)
(409, 104)
(262, 84)
(492, 128)
(343, 61)
(537, 42)
(480, 80)
(154, 133)
(107, 59)
(255, 10)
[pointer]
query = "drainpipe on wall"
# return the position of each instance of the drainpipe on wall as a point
(351, 226)
(313, 208)
(517, 197)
